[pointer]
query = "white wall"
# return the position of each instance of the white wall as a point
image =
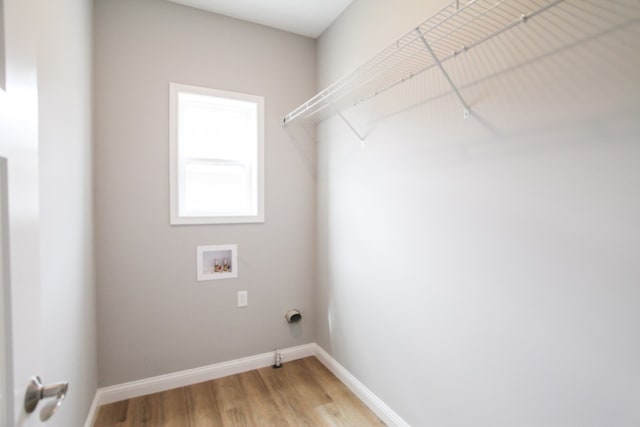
(154, 317)
(485, 271)
(66, 239)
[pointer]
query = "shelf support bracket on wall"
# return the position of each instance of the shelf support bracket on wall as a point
(344, 119)
(353, 129)
(467, 110)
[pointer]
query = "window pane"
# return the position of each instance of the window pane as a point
(217, 145)
(212, 189)
(216, 128)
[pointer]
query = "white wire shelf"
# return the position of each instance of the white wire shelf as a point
(457, 28)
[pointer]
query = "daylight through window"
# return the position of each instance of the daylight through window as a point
(216, 156)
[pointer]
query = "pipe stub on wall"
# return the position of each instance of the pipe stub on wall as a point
(293, 316)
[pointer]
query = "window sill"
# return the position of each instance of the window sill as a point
(208, 220)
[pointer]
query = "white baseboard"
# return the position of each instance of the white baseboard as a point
(93, 411)
(198, 375)
(160, 383)
(384, 412)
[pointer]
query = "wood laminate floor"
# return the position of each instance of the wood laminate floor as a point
(302, 393)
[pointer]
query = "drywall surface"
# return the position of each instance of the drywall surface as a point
(485, 271)
(66, 205)
(153, 316)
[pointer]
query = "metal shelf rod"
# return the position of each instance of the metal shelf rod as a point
(455, 53)
(453, 30)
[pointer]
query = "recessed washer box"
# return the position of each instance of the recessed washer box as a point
(217, 262)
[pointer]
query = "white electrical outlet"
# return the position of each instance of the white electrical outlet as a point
(243, 298)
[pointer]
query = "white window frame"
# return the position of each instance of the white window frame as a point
(174, 167)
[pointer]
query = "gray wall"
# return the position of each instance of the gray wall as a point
(485, 271)
(153, 316)
(66, 204)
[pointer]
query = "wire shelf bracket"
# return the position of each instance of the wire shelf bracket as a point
(353, 129)
(467, 109)
(458, 28)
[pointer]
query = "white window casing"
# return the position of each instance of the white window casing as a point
(216, 156)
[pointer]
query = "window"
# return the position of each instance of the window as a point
(217, 151)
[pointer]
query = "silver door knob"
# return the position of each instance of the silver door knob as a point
(36, 392)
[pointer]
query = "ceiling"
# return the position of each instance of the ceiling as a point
(306, 17)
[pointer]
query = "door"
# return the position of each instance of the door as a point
(5, 368)
(21, 310)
